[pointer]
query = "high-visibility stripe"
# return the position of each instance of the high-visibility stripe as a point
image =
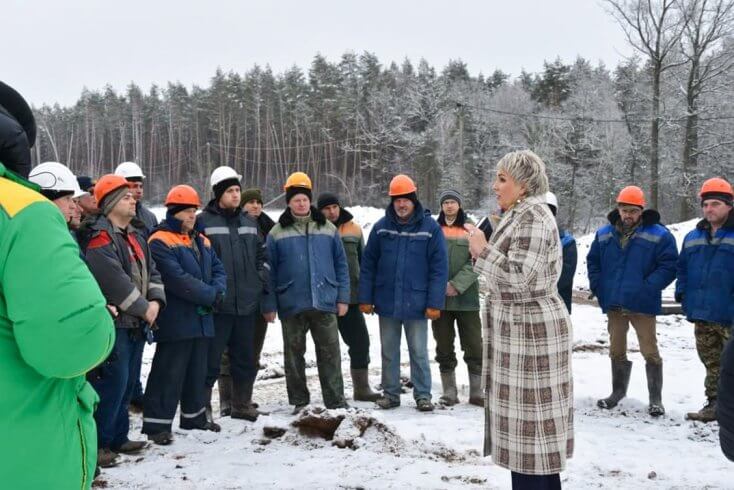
(193, 415)
(247, 230)
(649, 237)
(216, 230)
(405, 233)
(131, 298)
(157, 421)
(604, 237)
(154, 285)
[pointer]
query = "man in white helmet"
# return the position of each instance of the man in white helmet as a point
(235, 239)
(144, 221)
(57, 184)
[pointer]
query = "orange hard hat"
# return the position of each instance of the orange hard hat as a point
(297, 179)
(183, 195)
(108, 183)
(717, 185)
(632, 195)
(401, 185)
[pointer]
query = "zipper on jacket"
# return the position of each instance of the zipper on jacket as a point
(234, 266)
(85, 475)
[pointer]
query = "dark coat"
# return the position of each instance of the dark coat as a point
(632, 277)
(570, 259)
(234, 237)
(194, 279)
(108, 258)
(145, 221)
(17, 131)
(725, 401)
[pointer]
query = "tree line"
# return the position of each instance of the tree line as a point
(662, 120)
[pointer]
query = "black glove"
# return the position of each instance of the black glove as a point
(679, 297)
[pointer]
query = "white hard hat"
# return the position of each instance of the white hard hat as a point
(223, 173)
(55, 176)
(551, 199)
(129, 170)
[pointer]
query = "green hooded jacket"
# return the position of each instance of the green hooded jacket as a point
(461, 267)
(54, 327)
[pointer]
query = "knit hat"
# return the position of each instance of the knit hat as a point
(412, 196)
(293, 191)
(222, 186)
(327, 199)
(111, 199)
(175, 208)
(252, 194)
(450, 194)
(719, 196)
(85, 183)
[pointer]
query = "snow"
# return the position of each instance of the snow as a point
(621, 448)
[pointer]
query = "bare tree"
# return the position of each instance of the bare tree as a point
(707, 24)
(654, 28)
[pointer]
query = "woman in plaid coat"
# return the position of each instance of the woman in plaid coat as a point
(527, 333)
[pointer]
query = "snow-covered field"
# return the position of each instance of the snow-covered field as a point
(622, 448)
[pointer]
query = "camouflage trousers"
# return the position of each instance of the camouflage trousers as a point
(325, 334)
(710, 341)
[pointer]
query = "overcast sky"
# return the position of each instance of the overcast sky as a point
(53, 49)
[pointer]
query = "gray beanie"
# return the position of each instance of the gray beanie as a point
(111, 199)
(450, 194)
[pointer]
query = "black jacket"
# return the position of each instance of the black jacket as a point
(108, 256)
(236, 241)
(17, 131)
(145, 221)
(725, 401)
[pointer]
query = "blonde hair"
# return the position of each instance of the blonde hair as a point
(527, 169)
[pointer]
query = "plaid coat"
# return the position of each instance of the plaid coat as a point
(527, 344)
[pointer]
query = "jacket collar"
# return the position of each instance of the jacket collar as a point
(12, 176)
(344, 217)
(649, 217)
(286, 219)
(729, 223)
(460, 219)
(418, 214)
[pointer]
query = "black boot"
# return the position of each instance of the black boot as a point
(620, 380)
(655, 388)
(225, 395)
(242, 401)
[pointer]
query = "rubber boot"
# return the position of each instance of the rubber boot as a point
(242, 401)
(655, 389)
(620, 380)
(361, 386)
(225, 395)
(450, 394)
(476, 397)
(706, 414)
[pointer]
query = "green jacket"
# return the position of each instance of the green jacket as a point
(353, 241)
(54, 327)
(461, 267)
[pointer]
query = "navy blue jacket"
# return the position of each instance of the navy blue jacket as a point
(308, 266)
(404, 266)
(705, 284)
(194, 282)
(570, 258)
(632, 278)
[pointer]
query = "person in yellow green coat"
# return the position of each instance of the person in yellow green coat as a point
(54, 327)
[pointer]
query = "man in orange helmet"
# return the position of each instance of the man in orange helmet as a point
(403, 279)
(631, 261)
(195, 281)
(705, 284)
(120, 260)
(310, 287)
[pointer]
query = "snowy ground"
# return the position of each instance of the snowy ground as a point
(623, 448)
